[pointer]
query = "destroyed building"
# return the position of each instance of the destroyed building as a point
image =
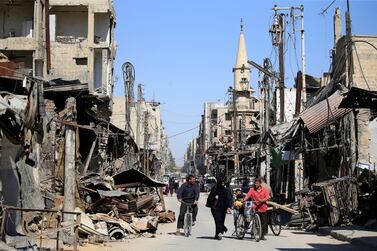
(56, 85)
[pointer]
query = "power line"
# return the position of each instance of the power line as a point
(189, 130)
(324, 11)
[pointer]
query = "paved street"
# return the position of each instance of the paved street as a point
(202, 238)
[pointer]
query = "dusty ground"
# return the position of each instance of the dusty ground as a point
(202, 238)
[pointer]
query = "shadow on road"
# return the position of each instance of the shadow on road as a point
(206, 238)
(324, 247)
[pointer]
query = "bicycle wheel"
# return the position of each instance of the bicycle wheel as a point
(256, 227)
(187, 224)
(240, 226)
(275, 223)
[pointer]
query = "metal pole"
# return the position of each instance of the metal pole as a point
(261, 107)
(235, 134)
(138, 114)
(303, 58)
(266, 85)
(281, 69)
(48, 39)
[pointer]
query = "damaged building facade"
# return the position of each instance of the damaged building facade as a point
(58, 147)
(147, 130)
(324, 140)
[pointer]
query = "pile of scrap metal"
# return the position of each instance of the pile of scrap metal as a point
(129, 203)
(333, 202)
(367, 217)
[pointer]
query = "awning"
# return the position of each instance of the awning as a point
(135, 178)
(324, 113)
(359, 98)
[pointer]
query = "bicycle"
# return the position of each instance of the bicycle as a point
(274, 221)
(187, 223)
(248, 220)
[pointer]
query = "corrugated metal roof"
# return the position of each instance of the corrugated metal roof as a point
(324, 113)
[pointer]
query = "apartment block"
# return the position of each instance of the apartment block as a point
(69, 44)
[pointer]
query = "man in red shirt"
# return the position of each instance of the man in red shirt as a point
(259, 195)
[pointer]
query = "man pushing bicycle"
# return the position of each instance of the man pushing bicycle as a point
(259, 195)
(187, 194)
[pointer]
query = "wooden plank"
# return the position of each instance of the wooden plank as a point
(282, 207)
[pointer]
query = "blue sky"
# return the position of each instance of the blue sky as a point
(184, 51)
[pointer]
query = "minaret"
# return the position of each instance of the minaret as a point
(241, 71)
(242, 68)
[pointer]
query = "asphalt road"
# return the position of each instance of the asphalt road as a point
(203, 232)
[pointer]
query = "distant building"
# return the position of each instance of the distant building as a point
(226, 127)
(146, 127)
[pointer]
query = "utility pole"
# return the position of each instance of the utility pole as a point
(266, 98)
(303, 62)
(303, 95)
(262, 106)
(277, 31)
(235, 133)
(129, 79)
(281, 69)
(138, 113)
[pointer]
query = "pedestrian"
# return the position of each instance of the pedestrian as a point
(176, 185)
(171, 185)
(220, 202)
(245, 185)
(259, 195)
(188, 193)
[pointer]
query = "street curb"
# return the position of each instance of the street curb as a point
(355, 241)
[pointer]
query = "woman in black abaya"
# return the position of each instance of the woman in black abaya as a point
(220, 201)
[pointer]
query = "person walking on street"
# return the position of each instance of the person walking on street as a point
(220, 202)
(176, 185)
(188, 193)
(259, 195)
(171, 185)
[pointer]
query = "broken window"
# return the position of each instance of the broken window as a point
(98, 68)
(101, 27)
(214, 114)
(16, 18)
(69, 24)
(81, 61)
(21, 61)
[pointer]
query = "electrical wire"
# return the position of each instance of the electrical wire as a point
(361, 67)
(178, 134)
(366, 42)
(324, 11)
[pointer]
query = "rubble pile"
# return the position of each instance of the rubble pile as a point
(367, 181)
(126, 205)
(337, 202)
